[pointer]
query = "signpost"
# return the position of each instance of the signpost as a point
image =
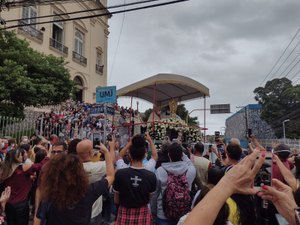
(105, 95)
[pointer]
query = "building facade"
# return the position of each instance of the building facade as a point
(248, 117)
(82, 43)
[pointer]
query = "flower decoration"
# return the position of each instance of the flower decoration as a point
(163, 127)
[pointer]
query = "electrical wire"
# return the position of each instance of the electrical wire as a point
(97, 15)
(277, 61)
(83, 11)
(289, 65)
(32, 2)
(117, 48)
(294, 83)
(292, 68)
(295, 74)
(286, 58)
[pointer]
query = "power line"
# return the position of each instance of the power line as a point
(295, 74)
(277, 61)
(286, 59)
(83, 11)
(290, 64)
(14, 4)
(294, 83)
(97, 15)
(292, 69)
(118, 42)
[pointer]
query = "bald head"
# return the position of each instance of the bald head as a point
(84, 150)
(235, 141)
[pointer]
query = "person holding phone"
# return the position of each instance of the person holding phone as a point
(124, 127)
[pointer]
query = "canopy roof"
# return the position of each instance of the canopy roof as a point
(161, 88)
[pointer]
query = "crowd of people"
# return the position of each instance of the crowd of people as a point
(76, 119)
(56, 182)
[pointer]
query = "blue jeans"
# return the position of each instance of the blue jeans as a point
(165, 222)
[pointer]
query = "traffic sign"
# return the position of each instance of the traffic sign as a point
(219, 108)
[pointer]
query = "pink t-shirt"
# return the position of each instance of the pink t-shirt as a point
(276, 172)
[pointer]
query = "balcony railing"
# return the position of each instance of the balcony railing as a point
(31, 30)
(99, 69)
(79, 58)
(59, 46)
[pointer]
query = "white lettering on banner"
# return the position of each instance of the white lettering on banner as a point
(106, 94)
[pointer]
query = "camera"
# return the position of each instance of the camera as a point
(96, 140)
(249, 133)
(109, 137)
(264, 176)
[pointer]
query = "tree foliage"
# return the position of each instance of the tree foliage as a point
(280, 101)
(28, 77)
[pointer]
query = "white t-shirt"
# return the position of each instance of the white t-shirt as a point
(149, 165)
(95, 172)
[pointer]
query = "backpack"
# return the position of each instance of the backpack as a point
(176, 199)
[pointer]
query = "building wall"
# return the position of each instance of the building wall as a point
(236, 124)
(95, 32)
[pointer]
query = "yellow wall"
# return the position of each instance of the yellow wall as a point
(95, 37)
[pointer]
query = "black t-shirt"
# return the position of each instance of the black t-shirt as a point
(80, 214)
(134, 186)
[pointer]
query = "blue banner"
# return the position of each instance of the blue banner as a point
(106, 94)
(98, 109)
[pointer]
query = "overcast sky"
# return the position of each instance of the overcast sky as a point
(227, 45)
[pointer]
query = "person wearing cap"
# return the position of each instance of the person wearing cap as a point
(283, 152)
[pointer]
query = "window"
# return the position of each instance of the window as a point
(29, 14)
(58, 30)
(79, 37)
(99, 65)
(99, 58)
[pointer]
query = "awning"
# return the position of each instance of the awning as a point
(161, 88)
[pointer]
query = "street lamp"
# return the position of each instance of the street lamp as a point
(283, 126)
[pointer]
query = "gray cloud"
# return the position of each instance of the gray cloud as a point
(229, 46)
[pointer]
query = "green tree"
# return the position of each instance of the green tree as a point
(280, 101)
(28, 77)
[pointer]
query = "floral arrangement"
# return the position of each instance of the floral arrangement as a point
(163, 127)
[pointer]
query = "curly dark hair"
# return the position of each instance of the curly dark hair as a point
(64, 182)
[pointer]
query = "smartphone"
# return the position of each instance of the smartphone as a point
(96, 140)
(249, 134)
(109, 137)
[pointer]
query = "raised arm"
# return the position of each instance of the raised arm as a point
(154, 154)
(112, 147)
(286, 173)
(237, 180)
(110, 172)
(124, 150)
(256, 143)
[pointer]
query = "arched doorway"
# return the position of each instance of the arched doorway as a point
(78, 94)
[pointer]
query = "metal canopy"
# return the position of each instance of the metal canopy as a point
(161, 88)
